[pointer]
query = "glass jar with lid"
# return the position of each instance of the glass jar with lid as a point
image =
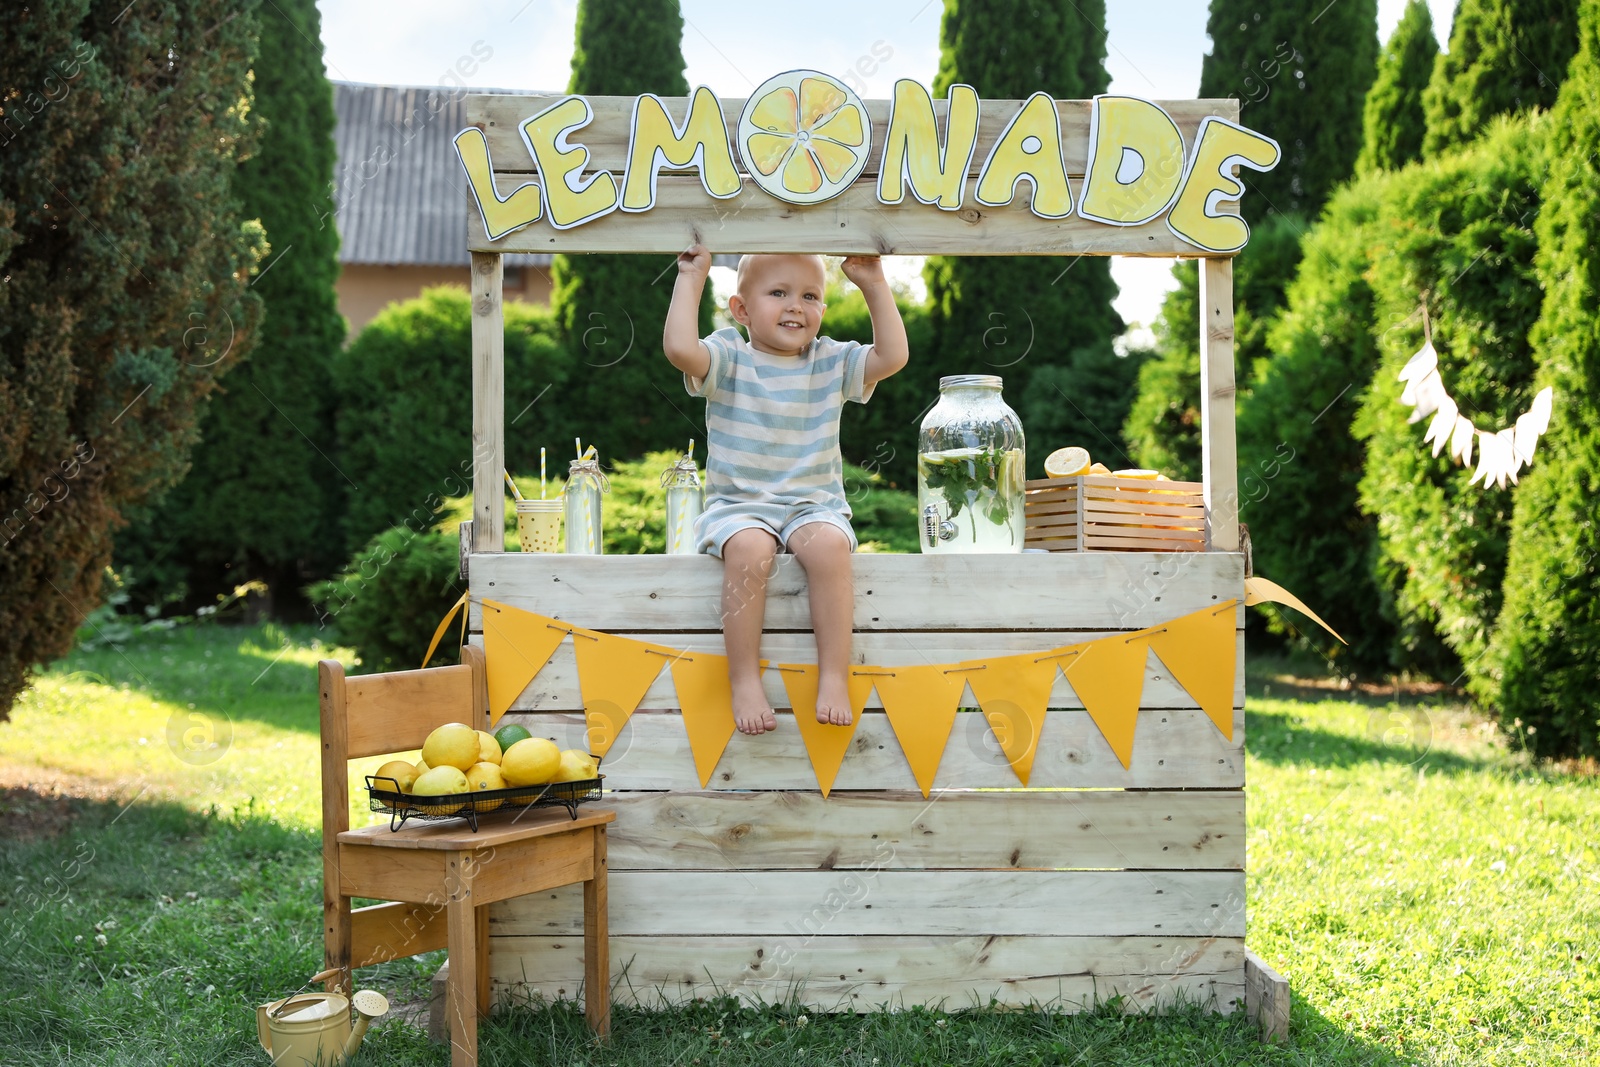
(581, 504)
(970, 469)
(685, 501)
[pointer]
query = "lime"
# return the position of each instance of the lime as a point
(510, 734)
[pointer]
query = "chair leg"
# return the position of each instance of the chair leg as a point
(461, 996)
(596, 954)
(336, 938)
(484, 988)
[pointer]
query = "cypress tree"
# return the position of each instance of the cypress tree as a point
(264, 497)
(1539, 673)
(125, 264)
(1020, 316)
(1506, 56)
(1300, 71)
(611, 309)
(1392, 123)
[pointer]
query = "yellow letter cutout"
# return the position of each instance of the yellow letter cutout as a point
(1135, 162)
(701, 142)
(1029, 148)
(912, 153)
(500, 217)
(1219, 145)
(568, 202)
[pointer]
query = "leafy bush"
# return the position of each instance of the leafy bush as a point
(1539, 673)
(405, 405)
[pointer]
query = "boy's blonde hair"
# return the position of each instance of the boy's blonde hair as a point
(754, 259)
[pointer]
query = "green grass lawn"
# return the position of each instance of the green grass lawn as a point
(1431, 898)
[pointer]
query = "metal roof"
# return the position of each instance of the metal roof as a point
(398, 192)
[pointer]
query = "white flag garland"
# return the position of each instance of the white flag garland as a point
(1501, 454)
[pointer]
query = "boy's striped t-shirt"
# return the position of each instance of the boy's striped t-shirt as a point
(773, 421)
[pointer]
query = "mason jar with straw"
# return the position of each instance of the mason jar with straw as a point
(581, 497)
(685, 501)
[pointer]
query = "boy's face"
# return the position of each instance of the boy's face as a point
(779, 300)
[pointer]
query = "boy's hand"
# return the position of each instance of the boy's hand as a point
(864, 271)
(696, 262)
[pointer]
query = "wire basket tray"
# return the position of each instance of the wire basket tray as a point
(402, 807)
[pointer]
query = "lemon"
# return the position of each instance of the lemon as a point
(530, 762)
(1099, 468)
(510, 734)
(804, 136)
(1067, 462)
(454, 744)
(441, 781)
(576, 766)
(488, 748)
(422, 766)
(485, 775)
(402, 772)
(1138, 472)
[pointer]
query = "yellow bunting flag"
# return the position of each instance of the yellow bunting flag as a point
(1200, 652)
(921, 705)
(516, 646)
(1259, 590)
(1108, 677)
(825, 744)
(1013, 692)
(707, 703)
(614, 673)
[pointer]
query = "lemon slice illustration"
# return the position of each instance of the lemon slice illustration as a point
(804, 137)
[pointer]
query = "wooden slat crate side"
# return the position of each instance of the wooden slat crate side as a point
(853, 223)
(868, 973)
(1171, 750)
(606, 137)
(1071, 830)
(1037, 591)
(895, 903)
(1100, 513)
(556, 686)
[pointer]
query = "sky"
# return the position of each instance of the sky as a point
(1154, 49)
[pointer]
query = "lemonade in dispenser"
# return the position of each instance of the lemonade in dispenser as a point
(970, 469)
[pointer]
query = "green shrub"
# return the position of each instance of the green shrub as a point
(1539, 673)
(405, 406)
(1458, 231)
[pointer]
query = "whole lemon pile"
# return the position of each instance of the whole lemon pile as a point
(457, 759)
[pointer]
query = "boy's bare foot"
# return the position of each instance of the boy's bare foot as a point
(751, 712)
(833, 703)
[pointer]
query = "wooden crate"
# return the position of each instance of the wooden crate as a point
(1102, 512)
(1095, 881)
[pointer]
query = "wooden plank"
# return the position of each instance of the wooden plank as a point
(1034, 830)
(896, 903)
(488, 402)
(1172, 749)
(866, 973)
(1104, 542)
(1123, 505)
(597, 941)
(461, 993)
(853, 223)
(1266, 998)
(374, 871)
(556, 686)
(395, 712)
(1176, 534)
(1218, 445)
(1041, 591)
(392, 931)
(334, 721)
(606, 137)
(533, 865)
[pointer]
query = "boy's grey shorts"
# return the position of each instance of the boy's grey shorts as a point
(722, 519)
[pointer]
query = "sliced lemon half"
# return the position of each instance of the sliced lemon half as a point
(1067, 462)
(804, 136)
(1138, 472)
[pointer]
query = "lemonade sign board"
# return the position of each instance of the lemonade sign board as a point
(804, 164)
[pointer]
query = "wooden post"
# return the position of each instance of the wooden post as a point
(1219, 461)
(336, 923)
(488, 404)
(1266, 998)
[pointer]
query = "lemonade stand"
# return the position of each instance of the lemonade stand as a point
(1042, 796)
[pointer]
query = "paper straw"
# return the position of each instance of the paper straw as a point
(541, 472)
(577, 443)
(516, 494)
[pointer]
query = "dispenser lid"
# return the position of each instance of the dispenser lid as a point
(991, 381)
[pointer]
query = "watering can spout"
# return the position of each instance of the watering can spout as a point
(369, 1005)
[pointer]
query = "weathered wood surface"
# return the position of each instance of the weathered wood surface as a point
(1077, 829)
(1266, 998)
(395, 712)
(606, 137)
(488, 401)
(1219, 462)
(1172, 749)
(556, 688)
(1031, 591)
(867, 973)
(853, 223)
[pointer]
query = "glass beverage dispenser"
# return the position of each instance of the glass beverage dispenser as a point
(970, 469)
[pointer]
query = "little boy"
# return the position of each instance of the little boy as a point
(774, 476)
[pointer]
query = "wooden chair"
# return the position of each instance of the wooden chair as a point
(441, 875)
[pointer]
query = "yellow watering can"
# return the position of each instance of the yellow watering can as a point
(313, 1029)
